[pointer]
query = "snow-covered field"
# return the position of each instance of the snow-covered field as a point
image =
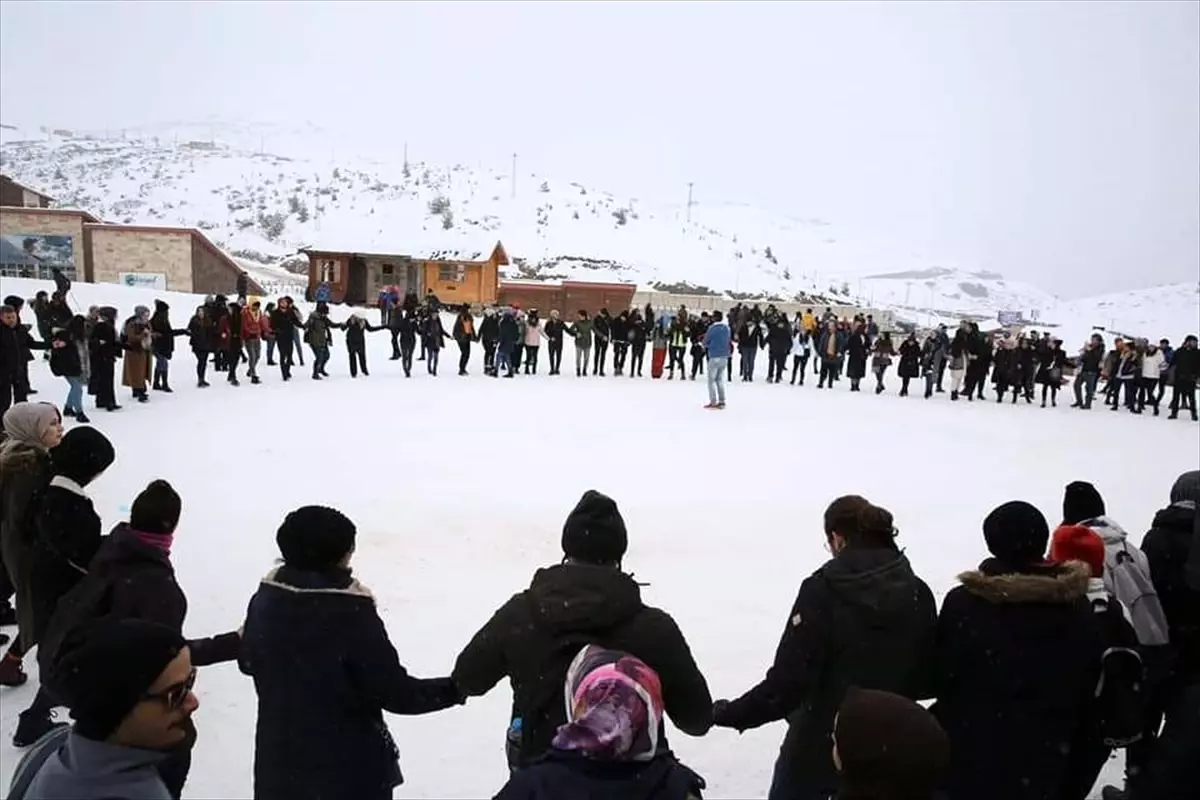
(460, 486)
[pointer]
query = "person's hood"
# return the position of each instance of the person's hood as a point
(122, 547)
(1066, 584)
(161, 307)
(1109, 531)
(581, 597)
(141, 312)
(878, 581)
(1179, 518)
(101, 765)
(23, 457)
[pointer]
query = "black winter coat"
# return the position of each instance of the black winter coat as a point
(779, 339)
(509, 331)
(856, 360)
(204, 337)
(65, 361)
(489, 329)
(560, 776)
(1091, 359)
(68, 536)
(130, 579)
(533, 638)
(15, 344)
(1051, 359)
(910, 359)
(863, 619)
(620, 329)
(554, 329)
(284, 322)
(325, 671)
(1167, 546)
(602, 328)
(1018, 661)
(356, 335)
(1185, 365)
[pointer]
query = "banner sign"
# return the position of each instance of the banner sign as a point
(143, 280)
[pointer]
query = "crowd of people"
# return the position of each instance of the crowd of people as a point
(84, 350)
(1059, 648)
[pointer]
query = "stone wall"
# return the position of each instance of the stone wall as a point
(117, 250)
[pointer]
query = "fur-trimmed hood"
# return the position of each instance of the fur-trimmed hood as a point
(1066, 585)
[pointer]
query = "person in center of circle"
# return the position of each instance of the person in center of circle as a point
(587, 599)
(863, 619)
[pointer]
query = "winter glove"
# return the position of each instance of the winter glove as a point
(720, 713)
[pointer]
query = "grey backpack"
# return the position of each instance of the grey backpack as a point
(1130, 584)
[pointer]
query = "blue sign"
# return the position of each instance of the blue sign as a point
(324, 293)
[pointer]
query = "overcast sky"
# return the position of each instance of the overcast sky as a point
(1054, 142)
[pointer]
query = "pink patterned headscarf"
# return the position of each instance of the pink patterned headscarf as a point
(614, 707)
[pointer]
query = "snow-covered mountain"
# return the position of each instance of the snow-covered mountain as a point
(312, 189)
(264, 205)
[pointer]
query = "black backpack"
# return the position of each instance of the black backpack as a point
(87, 601)
(1120, 692)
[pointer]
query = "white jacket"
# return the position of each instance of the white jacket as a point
(1152, 365)
(800, 348)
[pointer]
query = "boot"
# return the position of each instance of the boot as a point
(82, 418)
(142, 397)
(68, 411)
(155, 383)
(11, 672)
(954, 396)
(163, 387)
(254, 379)
(31, 727)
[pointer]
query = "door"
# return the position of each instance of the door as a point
(356, 282)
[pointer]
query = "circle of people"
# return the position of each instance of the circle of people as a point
(1059, 648)
(84, 349)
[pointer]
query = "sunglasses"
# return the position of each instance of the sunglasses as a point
(174, 696)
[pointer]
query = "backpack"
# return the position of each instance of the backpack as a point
(1131, 585)
(33, 760)
(1119, 696)
(87, 601)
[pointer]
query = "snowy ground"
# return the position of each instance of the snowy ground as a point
(459, 487)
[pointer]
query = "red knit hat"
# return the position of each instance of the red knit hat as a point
(1077, 543)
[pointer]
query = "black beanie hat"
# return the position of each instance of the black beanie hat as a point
(156, 509)
(105, 667)
(889, 746)
(315, 538)
(594, 532)
(82, 455)
(1017, 534)
(1081, 501)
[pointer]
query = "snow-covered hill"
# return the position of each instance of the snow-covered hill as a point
(263, 205)
(307, 189)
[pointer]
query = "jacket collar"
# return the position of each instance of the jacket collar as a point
(63, 482)
(1065, 585)
(301, 582)
(89, 759)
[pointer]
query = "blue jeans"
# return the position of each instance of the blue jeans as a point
(297, 347)
(748, 354)
(1085, 381)
(503, 360)
(320, 359)
(75, 393)
(716, 379)
(162, 364)
(431, 359)
(270, 351)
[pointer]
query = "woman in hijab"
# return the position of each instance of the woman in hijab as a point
(30, 431)
(609, 746)
(68, 535)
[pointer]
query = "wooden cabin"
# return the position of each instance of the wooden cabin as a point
(456, 274)
(568, 297)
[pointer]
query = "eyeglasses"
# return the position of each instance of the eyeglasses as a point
(174, 696)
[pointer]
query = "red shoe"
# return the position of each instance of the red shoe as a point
(11, 673)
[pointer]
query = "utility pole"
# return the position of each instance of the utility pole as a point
(689, 203)
(514, 176)
(406, 155)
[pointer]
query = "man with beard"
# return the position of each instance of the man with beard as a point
(128, 684)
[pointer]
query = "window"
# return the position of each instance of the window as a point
(452, 273)
(36, 271)
(329, 271)
(388, 271)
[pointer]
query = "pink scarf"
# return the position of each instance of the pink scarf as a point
(162, 541)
